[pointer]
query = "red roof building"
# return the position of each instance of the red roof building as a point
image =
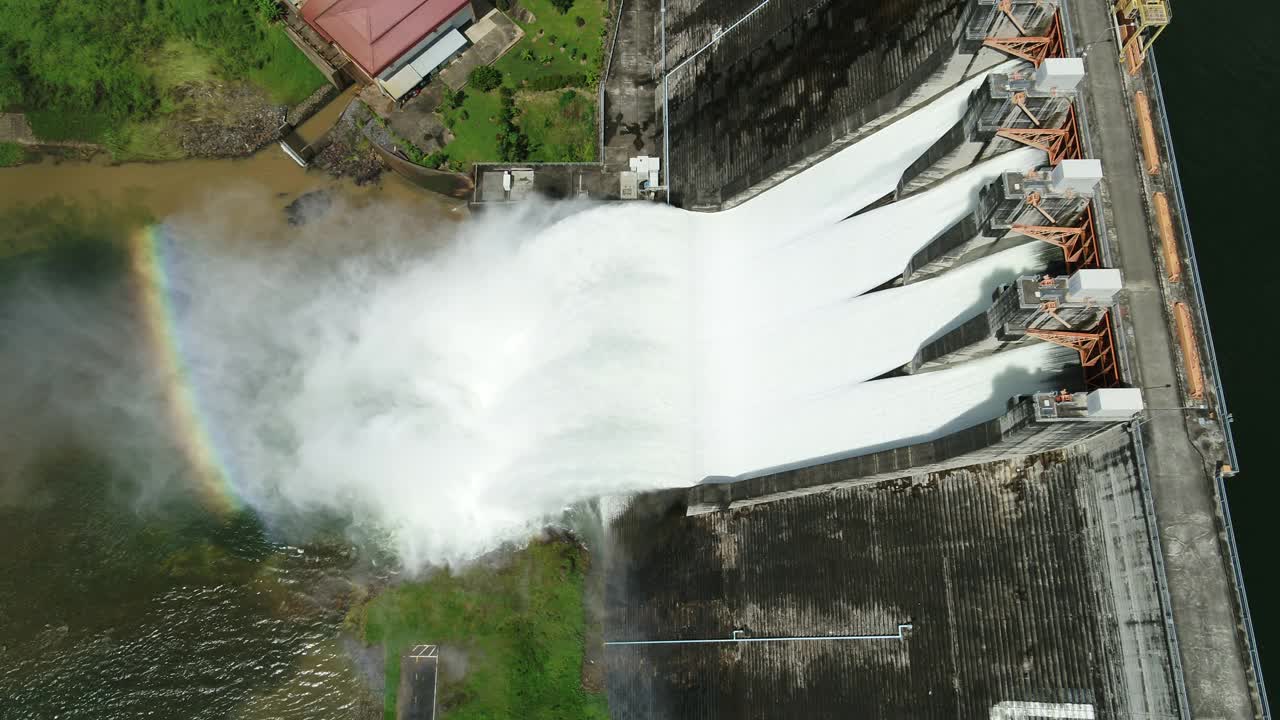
(376, 33)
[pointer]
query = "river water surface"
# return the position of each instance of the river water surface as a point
(118, 603)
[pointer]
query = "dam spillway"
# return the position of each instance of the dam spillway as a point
(817, 547)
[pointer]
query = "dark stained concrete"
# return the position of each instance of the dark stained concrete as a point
(632, 117)
(417, 692)
(788, 82)
(1024, 581)
(1204, 602)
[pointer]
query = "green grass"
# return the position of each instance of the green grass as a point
(586, 39)
(557, 134)
(475, 127)
(178, 62)
(561, 125)
(65, 125)
(11, 154)
(520, 626)
(287, 75)
(80, 82)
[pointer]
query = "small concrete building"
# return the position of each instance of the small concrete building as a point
(396, 44)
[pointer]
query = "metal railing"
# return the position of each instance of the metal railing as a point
(604, 78)
(1233, 550)
(736, 637)
(1188, 241)
(1244, 597)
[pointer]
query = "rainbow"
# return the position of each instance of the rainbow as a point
(150, 252)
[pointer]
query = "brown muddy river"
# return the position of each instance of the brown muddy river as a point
(109, 610)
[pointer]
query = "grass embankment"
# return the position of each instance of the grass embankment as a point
(11, 154)
(101, 71)
(511, 636)
(553, 71)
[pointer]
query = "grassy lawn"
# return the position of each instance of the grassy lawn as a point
(561, 125)
(586, 42)
(519, 626)
(287, 75)
(475, 127)
(557, 130)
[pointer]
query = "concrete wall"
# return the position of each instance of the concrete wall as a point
(1014, 434)
(788, 83)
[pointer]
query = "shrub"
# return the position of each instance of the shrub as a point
(11, 154)
(579, 21)
(562, 6)
(270, 10)
(507, 93)
(486, 78)
(555, 81)
(552, 39)
(527, 55)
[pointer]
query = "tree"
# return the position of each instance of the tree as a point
(562, 6)
(486, 78)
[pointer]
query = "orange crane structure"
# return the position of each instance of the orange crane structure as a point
(1034, 49)
(1096, 347)
(1079, 244)
(1059, 143)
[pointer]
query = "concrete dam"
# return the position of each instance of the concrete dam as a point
(930, 487)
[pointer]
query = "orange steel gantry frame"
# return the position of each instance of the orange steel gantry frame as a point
(1032, 49)
(1059, 143)
(1096, 347)
(1079, 244)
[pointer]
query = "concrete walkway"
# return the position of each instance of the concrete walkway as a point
(15, 128)
(491, 37)
(1202, 595)
(632, 121)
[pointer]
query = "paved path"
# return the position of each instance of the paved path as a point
(1200, 585)
(632, 120)
(14, 128)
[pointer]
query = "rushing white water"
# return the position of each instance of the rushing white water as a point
(760, 433)
(459, 398)
(858, 339)
(851, 257)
